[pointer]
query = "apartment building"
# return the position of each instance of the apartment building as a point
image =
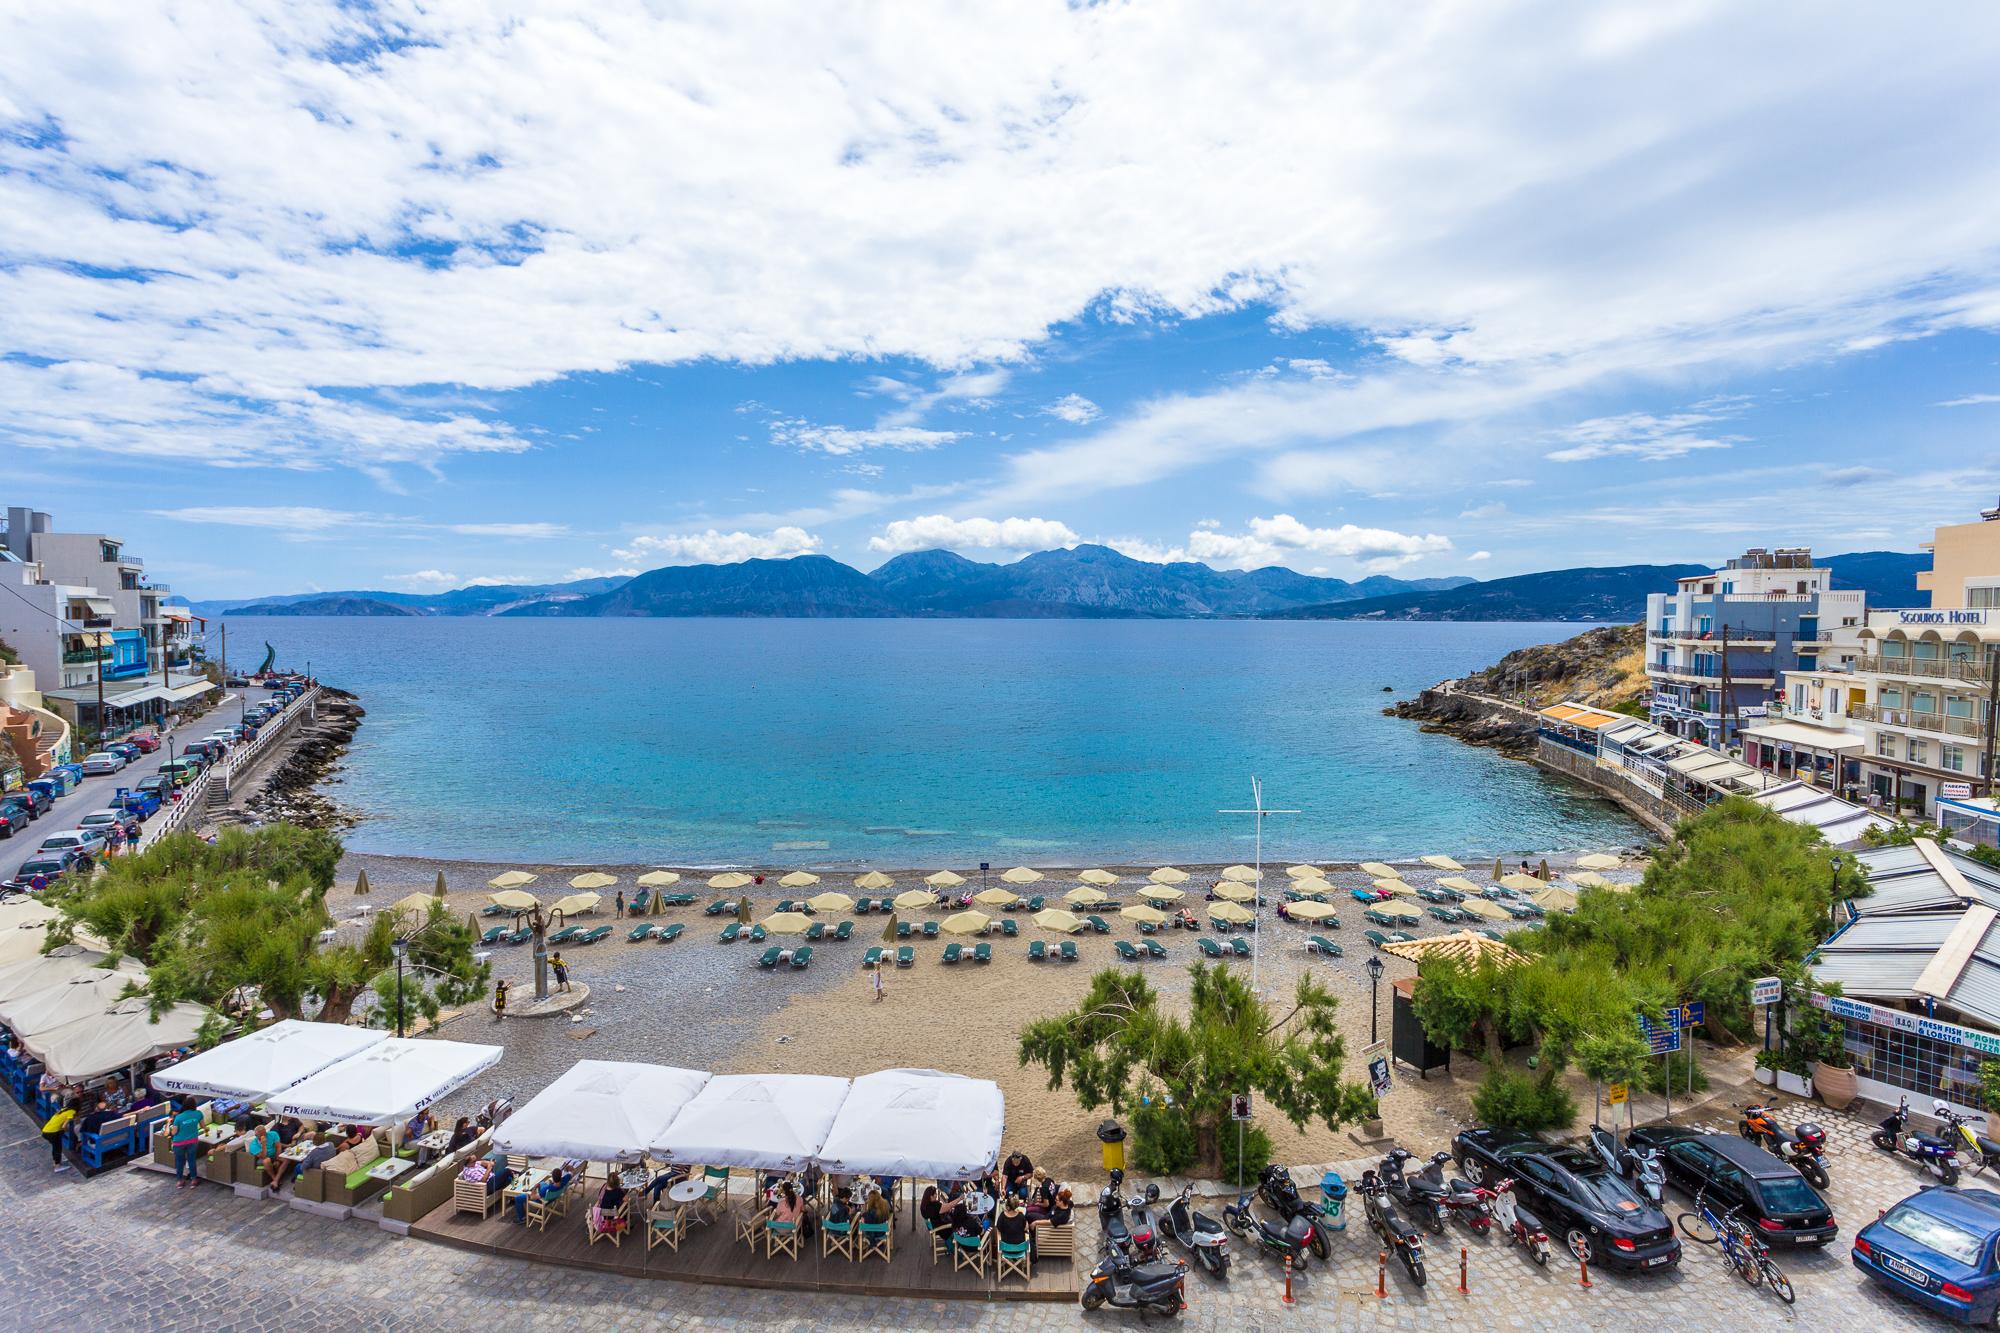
(1718, 646)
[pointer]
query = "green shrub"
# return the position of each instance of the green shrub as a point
(1256, 1153)
(1511, 1100)
(1655, 1077)
(1163, 1142)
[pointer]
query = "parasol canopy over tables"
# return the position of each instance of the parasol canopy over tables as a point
(799, 879)
(592, 879)
(830, 901)
(1460, 883)
(1395, 886)
(1098, 877)
(996, 897)
(84, 995)
(911, 899)
(1590, 879)
(1160, 893)
(1169, 875)
(765, 1122)
(1054, 918)
(1310, 911)
(116, 1037)
(966, 923)
(1021, 875)
(1151, 916)
(1085, 897)
(658, 879)
(1241, 874)
(787, 923)
(511, 879)
(416, 906)
(1554, 898)
(1234, 913)
(1402, 911)
(729, 879)
(944, 879)
(1378, 870)
(1230, 891)
(1309, 887)
(1599, 861)
(388, 1081)
(1442, 863)
(916, 1122)
(514, 900)
(1523, 883)
(576, 904)
(874, 879)
(1484, 910)
(600, 1111)
(1305, 872)
(263, 1063)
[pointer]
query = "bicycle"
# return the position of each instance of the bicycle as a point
(1746, 1253)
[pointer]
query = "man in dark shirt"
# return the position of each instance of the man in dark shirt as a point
(1016, 1169)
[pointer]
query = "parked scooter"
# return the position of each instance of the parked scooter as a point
(1137, 1238)
(1518, 1225)
(1934, 1155)
(1426, 1206)
(1640, 1166)
(1804, 1148)
(1461, 1199)
(1154, 1286)
(1280, 1194)
(1394, 1231)
(1983, 1151)
(1284, 1239)
(1198, 1233)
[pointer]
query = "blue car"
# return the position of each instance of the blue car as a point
(1937, 1248)
(135, 801)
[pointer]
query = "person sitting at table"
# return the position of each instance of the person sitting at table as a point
(1042, 1193)
(609, 1214)
(877, 1209)
(837, 1210)
(1012, 1224)
(1059, 1212)
(790, 1205)
(552, 1185)
(353, 1137)
(420, 1124)
(664, 1181)
(963, 1219)
(320, 1154)
(931, 1208)
(463, 1133)
(1016, 1170)
(94, 1120)
(289, 1128)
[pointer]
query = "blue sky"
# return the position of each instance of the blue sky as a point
(409, 298)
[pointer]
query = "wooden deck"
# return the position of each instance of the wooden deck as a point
(710, 1254)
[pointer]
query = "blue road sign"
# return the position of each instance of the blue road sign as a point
(1689, 1015)
(1661, 1038)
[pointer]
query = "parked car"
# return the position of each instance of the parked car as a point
(102, 762)
(181, 771)
(146, 741)
(1937, 1248)
(14, 803)
(12, 824)
(141, 804)
(52, 866)
(133, 754)
(1738, 1174)
(155, 785)
(104, 820)
(204, 752)
(38, 801)
(52, 788)
(1576, 1197)
(84, 842)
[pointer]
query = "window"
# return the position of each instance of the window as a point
(1934, 1233)
(1918, 1065)
(1892, 647)
(1788, 1195)
(1923, 701)
(1920, 751)
(1951, 757)
(1885, 744)
(1891, 697)
(1958, 706)
(1983, 599)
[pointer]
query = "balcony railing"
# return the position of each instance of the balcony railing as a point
(1926, 668)
(1916, 721)
(76, 655)
(1738, 634)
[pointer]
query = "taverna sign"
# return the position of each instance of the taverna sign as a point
(1941, 617)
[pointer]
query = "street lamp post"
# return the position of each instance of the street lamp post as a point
(1374, 966)
(399, 948)
(1833, 895)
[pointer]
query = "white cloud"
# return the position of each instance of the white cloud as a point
(717, 548)
(935, 531)
(1152, 552)
(1972, 400)
(525, 531)
(424, 580)
(1075, 409)
(1281, 538)
(1479, 555)
(587, 572)
(1491, 509)
(841, 440)
(310, 520)
(1640, 435)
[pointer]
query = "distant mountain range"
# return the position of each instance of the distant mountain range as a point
(1080, 582)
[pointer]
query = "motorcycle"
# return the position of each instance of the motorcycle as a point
(1198, 1233)
(1288, 1239)
(1425, 1206)
(1137, 1240)
(1395, 1233)
(1804, 1148)
(1518, 1225)
(1984, 1151)
(1153, 1286)
(1280, 1194)
(1933, 1154)
(1467, 1202)
(1640, 1166)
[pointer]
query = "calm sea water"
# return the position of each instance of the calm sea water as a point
(917, 742)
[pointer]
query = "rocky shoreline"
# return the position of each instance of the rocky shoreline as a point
(290, 790)
(1496, 707)
(1476, 719)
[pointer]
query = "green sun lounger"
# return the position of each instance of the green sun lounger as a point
(1322, 945)
(1240, 946)
(495, 909)
(1068, 951)
(802, 957)
(731, 931)
(952, 952)
(905, 956)
(1494, 935)
(1155, 949)
(715, 908)
(1209, 948)
(1126, 951)
(902, 930)
(757, 934)
(1099, 924)
(1037, 951)
(566, 934)
(769, 958)
(864, 906)
(521, 936)
(668, 934)
(640, 933)
(1034, 904)
(1009, 927)
(592, 935)
(982, 952)
(844, 931)
(495, 934)
(930, 930)
(816, 930)
(873, 958)
(784, 905)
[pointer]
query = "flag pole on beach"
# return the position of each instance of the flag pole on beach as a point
(1257, 897)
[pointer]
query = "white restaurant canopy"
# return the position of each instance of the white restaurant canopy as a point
(267, 1061)
(118, 1036)
(772, 1122)
(394, 1078)
(917, 1122)
(600, 1111)
(46, 969)
(89, 992)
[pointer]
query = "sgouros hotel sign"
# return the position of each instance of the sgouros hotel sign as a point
(1941, 617)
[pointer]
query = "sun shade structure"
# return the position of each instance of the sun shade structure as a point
(1098, 877)
(1396, 886)
(1554, 898)
(1152, 916)
(1378, 870)
(830, 902)
(593, 879)
(1241, 874)
(1169, 875)
(389, 1081)
(264, 1063)
(1459, 882)
(512, 899)
(787, 923)
(1085, 897)
(1234, 913)
(874, 879)
(1525, 883)
(1312, 886)
(1230, 891)
(911, 899)
(728, 879)
(1484, 910)
(415, 907)
(1442, 863)
(1467, 946)
(117, 1037)
(1305, 872)
(658, 879)
(44, 970)
(1311, 911)
(577, 904)
(799, 879)
(1599, 861)
(83, 995)
(1403, 911)
(764, 1122)
(600, 1111)
(944, 879)
(1590, 879)
(1054, 918)
(1160, 893)
(1021, 875)
(511, 879)
(917, 1122)
(996, 897)
(966, 923)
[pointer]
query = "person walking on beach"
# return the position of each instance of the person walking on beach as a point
(877, 970)
(561, 970)
(499, 999)
(621, 902)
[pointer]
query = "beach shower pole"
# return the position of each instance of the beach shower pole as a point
(1257, 896)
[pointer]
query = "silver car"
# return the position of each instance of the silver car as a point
(102, 762)
(89, 841)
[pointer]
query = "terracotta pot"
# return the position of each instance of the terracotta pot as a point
(1372, 1128)
(1836, 1087)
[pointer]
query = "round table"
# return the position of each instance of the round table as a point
(979, 1204)
(687, 1191)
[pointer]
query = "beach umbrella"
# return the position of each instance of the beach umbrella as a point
(1542, 870)
(472, 922)
(1311, 911)
(830, 902)
(1020, 875)
(728, 879)
(512, 899)
(911, 899)
(1233, 892)
(1098, 877)
(799, 879)
(417, 906)
(1308, 887)
(966, 923)
(1160, 893)
(1234, 913)
(874, 879)
(1168, 875)
(944, 879)
(1377, 870)
(1085, 897)
(1599, 861)
(1484, 910)
(889, 930)
(361, 884)
(437, 889)
(577, 904)
(1395, 886)
(511, 879)
(1241, 874)
(593, 879)
(1589, 879)
(787, 923)
(1305, 872)
(1402, 911)
(1461, 883)
(996, 897)
(1517, 880)
(743, 909)
(1054, 918)
(1442, 863)
(1554, 898)
(658, 879)
(1151, 916)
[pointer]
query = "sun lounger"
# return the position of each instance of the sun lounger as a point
(1099, 924)
(1209, 948)
(816, 930)
(1494, 935)
(864, 907)
(521, 936)
(802, 957)
(1010, 928)
(873, 957)
(494, 909)
(769, 958)
(668, 934)
(952, 952)
(930, 930)
(1037, 951)
(592, 935)
(494, 935)
(902, 930)
(1068, 951)
(1400, 937)
(1375, 937)
(731, 931)
(644, 932)
(1240, 946)
(716, 908)
(757, 934)
(1126, 951)
(982, 952)
(905, 956)
(1322, 945)
(1155, 949)
(844, 931)
(1147, 927)
(566, 934)
(1446, 914)
(1035, 904)
(784, 905)
(637, 907)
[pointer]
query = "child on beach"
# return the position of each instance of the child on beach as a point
(499, 999)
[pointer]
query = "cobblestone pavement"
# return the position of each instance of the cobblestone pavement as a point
(127, 1249)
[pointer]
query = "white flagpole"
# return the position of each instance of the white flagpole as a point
(1257, 898)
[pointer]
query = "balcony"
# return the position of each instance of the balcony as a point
(1925, 668)
(1912, 720)
(74, 656)
(1740, 676)
(1739, 636)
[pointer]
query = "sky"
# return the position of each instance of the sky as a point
(410, 296)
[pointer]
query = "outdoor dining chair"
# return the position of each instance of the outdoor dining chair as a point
(969, 1252)
(780, 1237)
(836, 1238)
(750, 1224)
(666, 1227)
(1014, 1259)
(878, 1240)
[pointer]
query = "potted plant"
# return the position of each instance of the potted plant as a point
(1767, 1066)
(1822, 1038)
(1791, 1068)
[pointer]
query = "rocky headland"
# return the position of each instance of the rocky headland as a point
(1605, 667)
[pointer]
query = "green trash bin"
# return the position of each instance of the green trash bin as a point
(1112, 1135)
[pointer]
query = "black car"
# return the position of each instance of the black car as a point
(1739, 1175)
(38, 801)
(19, 808)
(1580, 1202)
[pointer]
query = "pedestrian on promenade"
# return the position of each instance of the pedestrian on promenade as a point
(185, 1137)
(499, 999)
(561, 970)
(54, 1128)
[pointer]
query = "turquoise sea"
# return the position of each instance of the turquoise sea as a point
(920, 743)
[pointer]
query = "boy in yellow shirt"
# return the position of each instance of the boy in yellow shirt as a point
(53, 1130)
